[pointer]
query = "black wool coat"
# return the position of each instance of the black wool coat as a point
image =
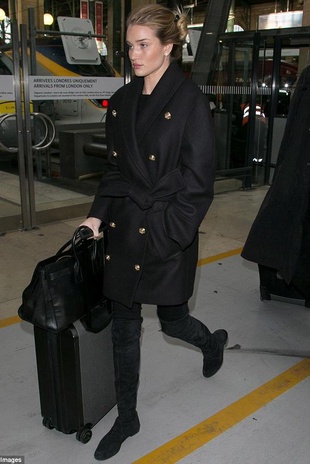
(276, 235)
(157, 190)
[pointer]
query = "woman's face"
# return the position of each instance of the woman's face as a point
(147, 54)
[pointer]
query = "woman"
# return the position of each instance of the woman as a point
(157, 190)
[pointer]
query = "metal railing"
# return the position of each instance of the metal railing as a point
(47, 138)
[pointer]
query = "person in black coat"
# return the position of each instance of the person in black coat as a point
(279, 237)
(157, 190)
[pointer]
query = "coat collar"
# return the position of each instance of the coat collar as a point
(162, 93)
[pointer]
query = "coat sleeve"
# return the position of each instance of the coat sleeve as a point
(183, 214)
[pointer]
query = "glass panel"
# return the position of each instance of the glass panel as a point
(67, 173)
(10, 209)
(231, 95)
(76, 158)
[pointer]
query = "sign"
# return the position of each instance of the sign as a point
(75, 88)
(6, 88)
(84, 9)
(79, 49)
(99, 18)
(280, 20)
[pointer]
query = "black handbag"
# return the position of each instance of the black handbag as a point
(69, 286)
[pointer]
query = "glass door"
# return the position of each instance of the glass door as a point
(10, 187)
(250, 91)
(42, 182)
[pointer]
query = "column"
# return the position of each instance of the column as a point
(18, 10)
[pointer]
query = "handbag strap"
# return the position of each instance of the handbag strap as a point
(80, 233)
(94, 256)
(83, 234)
(80, 236)
(64, 247)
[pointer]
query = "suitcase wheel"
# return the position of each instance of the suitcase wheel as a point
(84, 435)
(47, 422)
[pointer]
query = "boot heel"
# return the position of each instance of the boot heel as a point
(212, 362)
(111, 443)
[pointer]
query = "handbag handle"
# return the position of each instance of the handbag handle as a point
(81, 234)
(84, 233)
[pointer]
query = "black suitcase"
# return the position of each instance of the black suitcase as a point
(273, 287)
(76, 378)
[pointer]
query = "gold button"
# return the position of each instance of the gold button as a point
(114, 113)
(113, 225)
(114, 154)
(107, 257)
(142, 230)
(137, 267)
(167, 115)
(152, 157)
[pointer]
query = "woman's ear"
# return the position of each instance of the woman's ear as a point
(168, 49)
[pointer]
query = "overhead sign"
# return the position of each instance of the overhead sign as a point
(99, 18)
(79, 49)
(280, 20)
(84, 9)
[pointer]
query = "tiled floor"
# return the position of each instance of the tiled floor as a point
(254, 411)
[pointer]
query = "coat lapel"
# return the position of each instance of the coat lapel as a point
(130, 103)
(161, 95)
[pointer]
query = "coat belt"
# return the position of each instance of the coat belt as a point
(145, 198)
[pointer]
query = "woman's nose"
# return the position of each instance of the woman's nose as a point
(133, 53)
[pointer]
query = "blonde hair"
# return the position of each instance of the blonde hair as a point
(169, 26)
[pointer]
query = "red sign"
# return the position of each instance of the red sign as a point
(84, 9)
(99, 18)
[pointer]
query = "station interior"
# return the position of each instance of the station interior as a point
(247, 57)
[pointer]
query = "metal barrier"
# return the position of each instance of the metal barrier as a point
(3, 147)
(44, 144)
(46, 139)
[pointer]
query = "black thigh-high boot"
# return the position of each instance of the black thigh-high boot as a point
(126, 351)
(192, 331)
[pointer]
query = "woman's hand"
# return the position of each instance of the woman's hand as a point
(94, 224)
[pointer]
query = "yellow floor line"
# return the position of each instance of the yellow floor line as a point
(227, 254)
(9, 321)
(185, 444)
